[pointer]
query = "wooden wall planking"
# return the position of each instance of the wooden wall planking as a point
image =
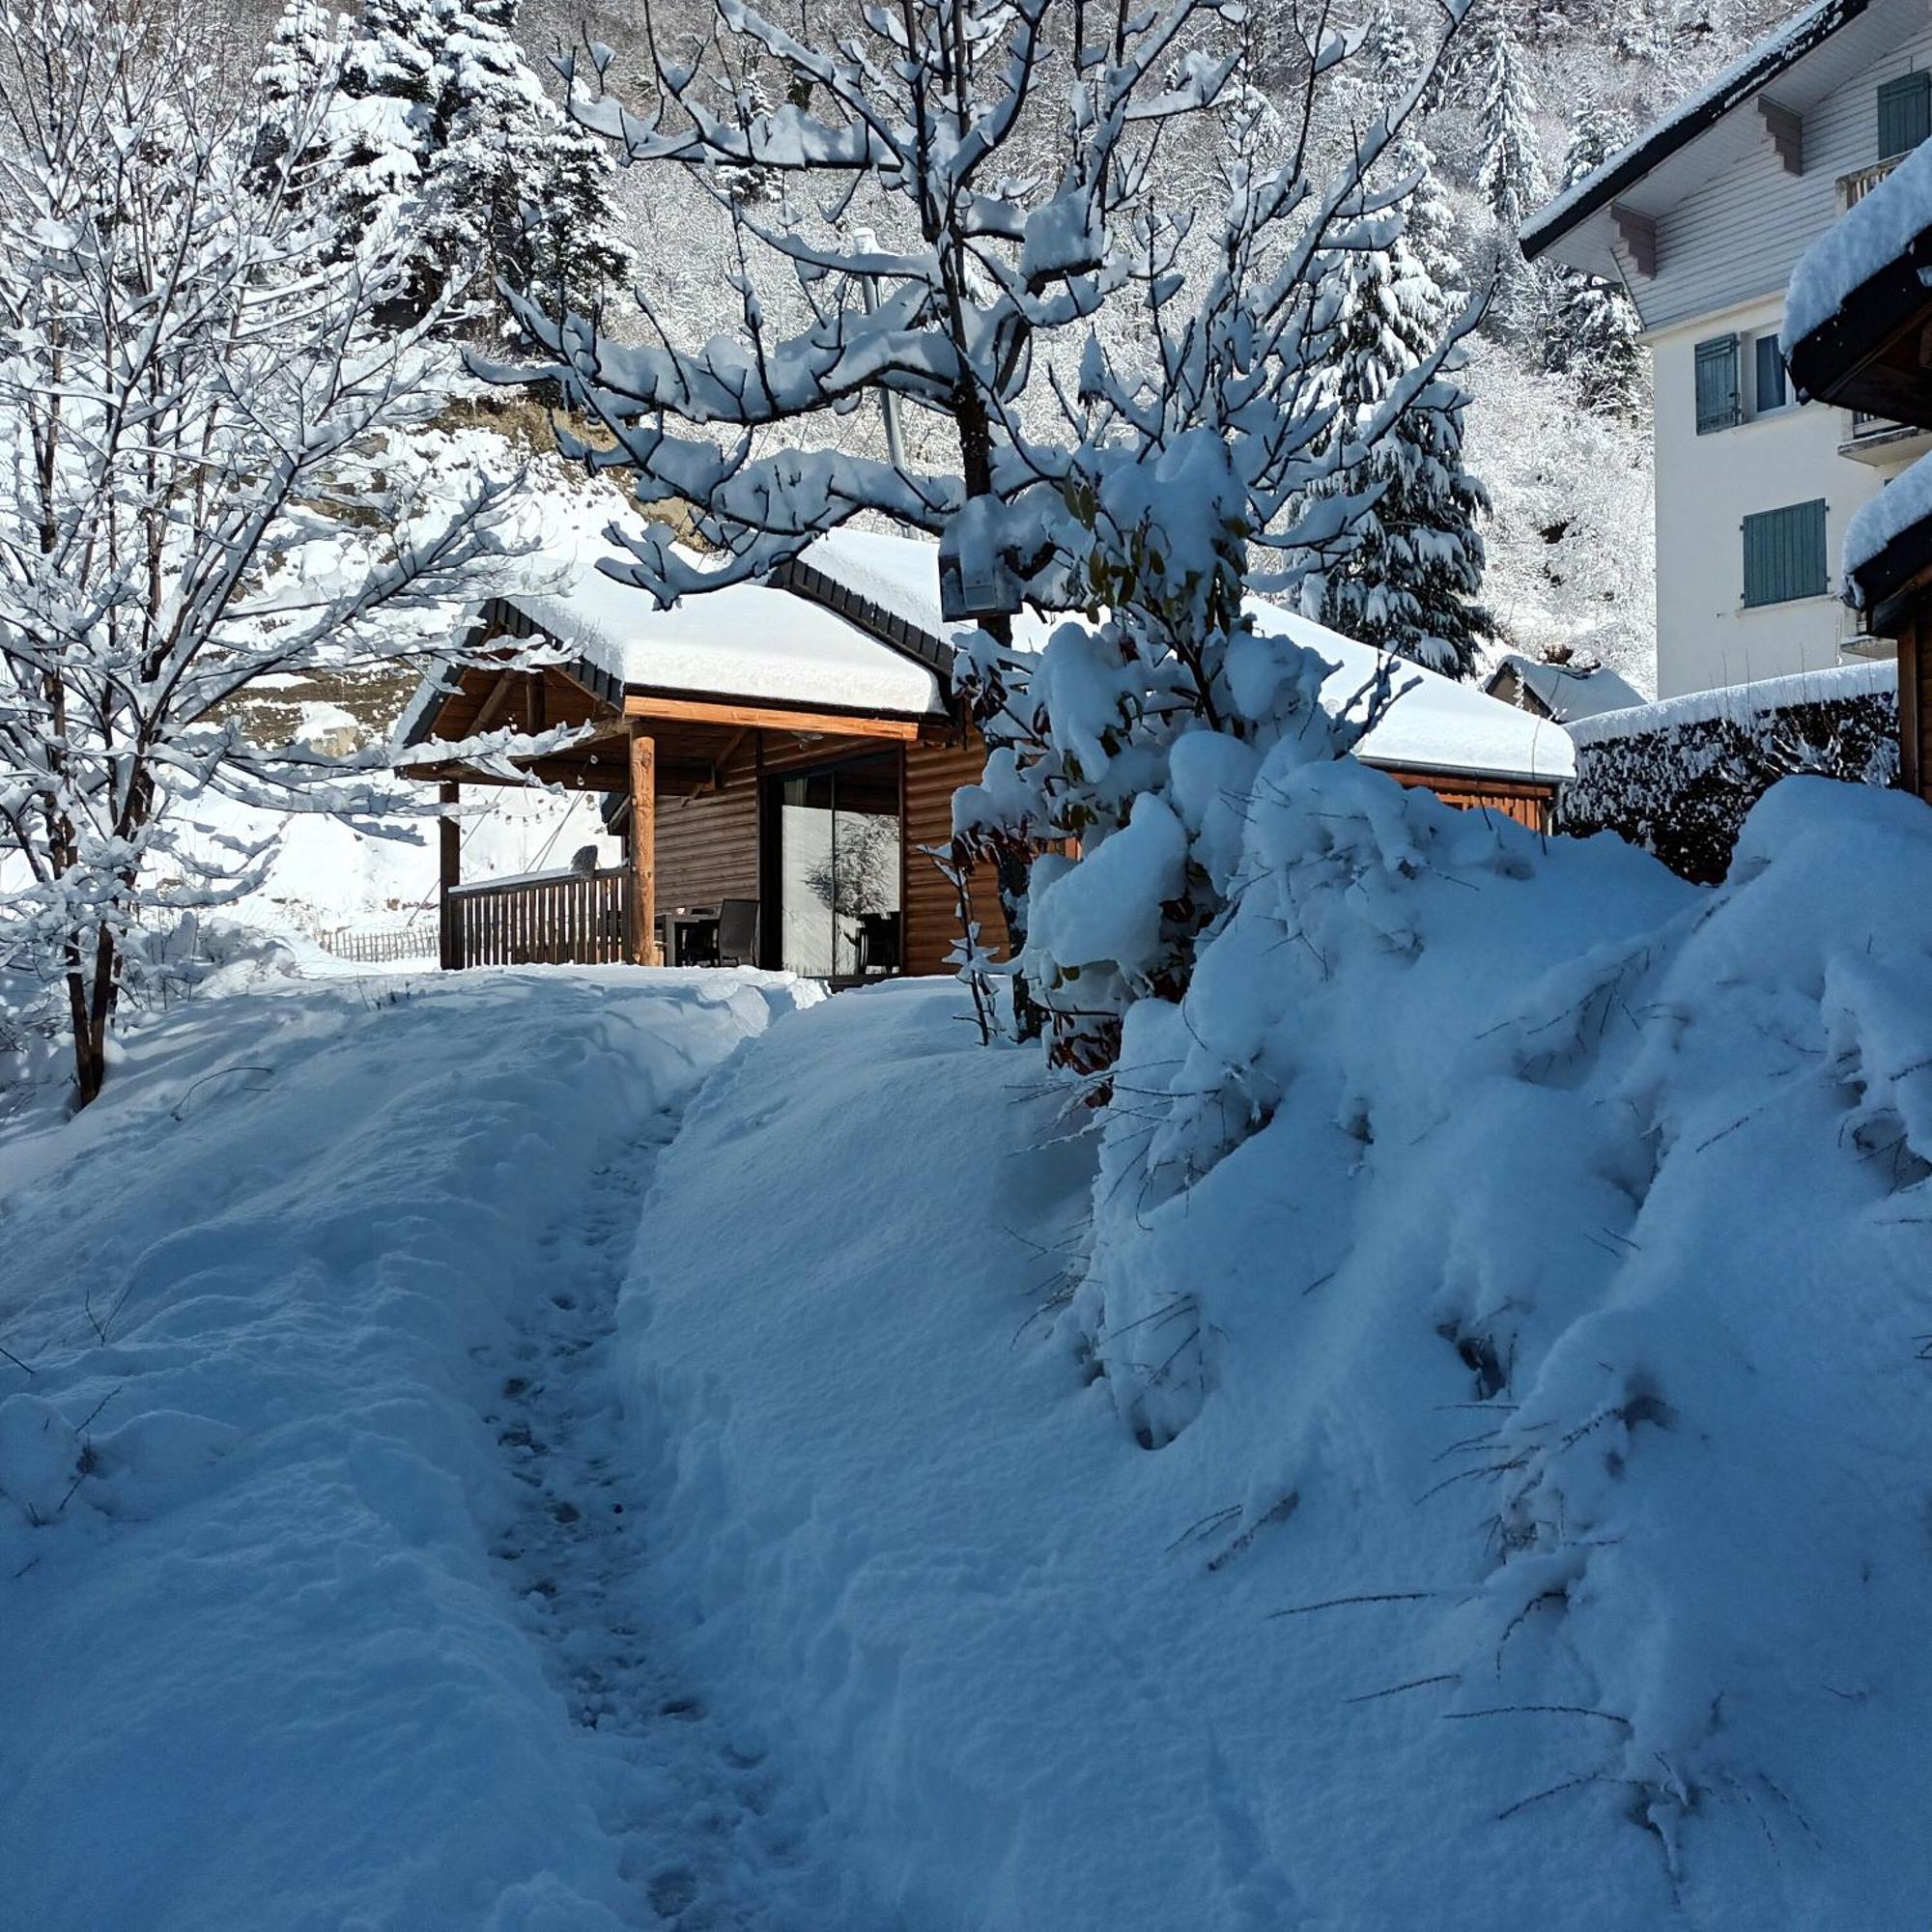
(933, 773)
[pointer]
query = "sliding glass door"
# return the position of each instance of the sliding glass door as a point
(837, 835)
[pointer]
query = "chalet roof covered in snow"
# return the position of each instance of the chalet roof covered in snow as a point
(745, 641)
(1808, 56)
(1857, 290)
(1888, 544)
(1434, 726)
(1569, 691)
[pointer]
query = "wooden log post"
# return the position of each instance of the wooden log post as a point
(643, 880)
(449, 843)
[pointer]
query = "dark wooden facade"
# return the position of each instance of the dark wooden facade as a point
(1873, 355)
(701, 777)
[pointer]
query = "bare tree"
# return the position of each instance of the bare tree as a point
(1134, 383)
(195, 492)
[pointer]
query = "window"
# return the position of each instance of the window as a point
(1904, 114)
(1718, 400)
(1784, 553)
(1770, 392)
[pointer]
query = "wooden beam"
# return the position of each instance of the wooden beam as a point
(604, 775)
(643, 897)
(498, 696)
(1637, 231)
(449, 843)
(765, 718)
(1787, 128)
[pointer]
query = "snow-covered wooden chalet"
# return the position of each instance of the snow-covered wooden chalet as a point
(778, 756)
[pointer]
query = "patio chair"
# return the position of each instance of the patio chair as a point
(737, 932)
(878, 944)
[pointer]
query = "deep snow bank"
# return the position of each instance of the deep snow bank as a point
(1479, 1478)
(257, 1666)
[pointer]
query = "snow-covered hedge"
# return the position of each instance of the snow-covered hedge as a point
(1678, 777)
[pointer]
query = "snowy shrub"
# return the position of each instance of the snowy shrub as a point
(1680, 779)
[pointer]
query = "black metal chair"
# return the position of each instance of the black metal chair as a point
(878, 944)
(737, 932)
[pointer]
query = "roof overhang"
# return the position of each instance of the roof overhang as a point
(1870, 347)
(1607, 224)
(1895, 584)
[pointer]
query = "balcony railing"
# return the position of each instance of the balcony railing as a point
(1854, 188)
(543, 918)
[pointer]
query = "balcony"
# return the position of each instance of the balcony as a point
(1854, 188)
(1878, 440)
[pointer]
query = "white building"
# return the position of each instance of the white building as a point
(1702, 220)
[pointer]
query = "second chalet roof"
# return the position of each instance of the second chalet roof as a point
(1649, 175)
(1434, 726)
(1570, 691)
(1857, 290)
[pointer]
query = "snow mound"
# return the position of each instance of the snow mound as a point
(259, 1491)
(1451, 1454)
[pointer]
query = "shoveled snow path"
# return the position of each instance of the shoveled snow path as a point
(320, 1537)
(700, 1834)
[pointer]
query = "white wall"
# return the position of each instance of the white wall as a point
(1707, 485)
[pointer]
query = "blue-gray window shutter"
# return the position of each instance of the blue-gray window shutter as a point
(1904, 114)
(1717, 384)
(1770, 392)
(1784, 553)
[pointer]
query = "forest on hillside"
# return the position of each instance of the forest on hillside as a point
(1536, 95)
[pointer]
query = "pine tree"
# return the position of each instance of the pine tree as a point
(1593, 329)
(382, 121)
(518, 193)
(1410, 583)
(1509, 169)
(1388, 63)
(300, 69)
(1430, 221)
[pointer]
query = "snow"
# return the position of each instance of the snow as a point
(1860, 244)
(1904, 500)
(1571, 690)
(315, 1550)
(1485, 1498)
(1737, 700)
(1434, 725)
(1442, 1449)
(741, 641)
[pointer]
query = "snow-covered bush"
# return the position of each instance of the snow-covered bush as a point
(1680, 779)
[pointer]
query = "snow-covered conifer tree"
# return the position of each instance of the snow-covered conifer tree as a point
(517, 192)
(1594, 327)
(193, 390)
(1509, 163)
(382, 121)
(1411, 579)
(300, 69)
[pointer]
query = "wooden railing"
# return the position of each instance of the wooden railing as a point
(547, 919)
(1854, 188)
(384, 946)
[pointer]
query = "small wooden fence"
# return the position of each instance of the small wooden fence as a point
(549, 919)
(386, 946)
